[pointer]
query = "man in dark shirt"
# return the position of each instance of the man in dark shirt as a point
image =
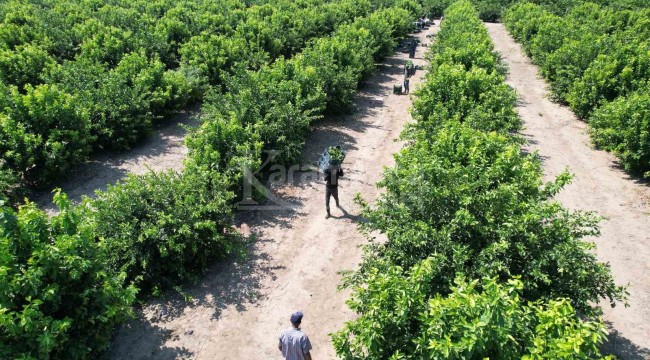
(332, 175)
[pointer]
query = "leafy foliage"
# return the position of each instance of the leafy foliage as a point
(497, 322)
(472, 198)
(593, 55)
(10, 192)
(463, 202)
(335, 153)
(494, 10)
(623, 126)
(164, 228)
(479, 319)
(127, 65)
(42, 132)
(475, 97)
(272, 108)
(157, 230)
(57, 297)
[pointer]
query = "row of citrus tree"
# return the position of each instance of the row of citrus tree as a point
(479, 261)
(493, 10)
(597, 59)
(69, 279)
(78, 77)
(489, 10)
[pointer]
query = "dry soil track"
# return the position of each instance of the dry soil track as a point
(239, 309)
(599, 185)
(163, 149)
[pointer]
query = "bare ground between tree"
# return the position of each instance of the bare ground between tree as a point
(162, 149)
(239, 308)
(599, 185)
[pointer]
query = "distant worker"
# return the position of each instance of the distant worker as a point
(414, 46)
(332, 175)
(406, 83)
(294, 344)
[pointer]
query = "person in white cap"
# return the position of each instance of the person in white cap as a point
(294, 344)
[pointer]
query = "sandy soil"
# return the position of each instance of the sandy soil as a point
(163, 149)
(239, 309)
(599, 185)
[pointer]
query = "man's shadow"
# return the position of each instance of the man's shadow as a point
(346, 215)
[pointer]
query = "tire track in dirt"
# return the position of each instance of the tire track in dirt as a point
(598, 185)
(239, 309)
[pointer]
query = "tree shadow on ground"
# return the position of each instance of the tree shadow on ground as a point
(627, 175)
(528, 148)
(622, 347)
(235, 281)
(157, 338)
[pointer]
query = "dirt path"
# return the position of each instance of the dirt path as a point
(163, 149)
(599, 185)
(238, 310)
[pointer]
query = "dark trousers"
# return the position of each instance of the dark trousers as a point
(406, 86)
(331, 192)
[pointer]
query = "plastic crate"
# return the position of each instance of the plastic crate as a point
(326, 161)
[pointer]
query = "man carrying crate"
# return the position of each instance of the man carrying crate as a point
(330, 165)
(332, 175)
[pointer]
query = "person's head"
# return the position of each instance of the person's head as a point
(296, 319)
